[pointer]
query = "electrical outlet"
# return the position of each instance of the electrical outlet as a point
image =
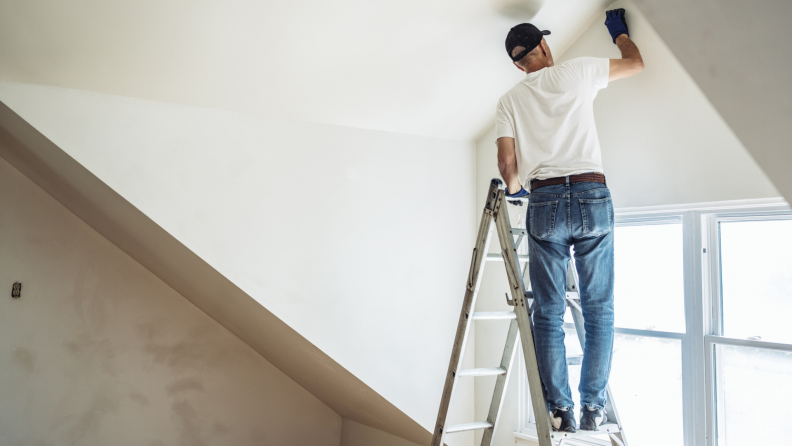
(16, 290)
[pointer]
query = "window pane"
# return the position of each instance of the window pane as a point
(756, 277)
(649, 277)
(646, 380)
(753, 389)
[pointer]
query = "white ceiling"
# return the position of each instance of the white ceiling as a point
(432, 68)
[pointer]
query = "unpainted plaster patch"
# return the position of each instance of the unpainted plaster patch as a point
(88, 349)
(192, 430)
(220, 428)
(139, 398)
(25, 360)
(90, 420)
(184, 385)
(182, 355)
(259, 437)
(90, 301)
(195, 352)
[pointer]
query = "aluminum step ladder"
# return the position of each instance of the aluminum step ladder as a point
(496, 216)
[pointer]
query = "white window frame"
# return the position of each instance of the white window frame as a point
(703, 312)
(711, 292)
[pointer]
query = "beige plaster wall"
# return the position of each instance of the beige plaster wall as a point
(99, 351)
(356, 434)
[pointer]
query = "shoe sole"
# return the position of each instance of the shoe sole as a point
(588, 428)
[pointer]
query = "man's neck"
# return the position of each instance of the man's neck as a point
(536, 66)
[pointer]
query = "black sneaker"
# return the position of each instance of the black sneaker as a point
(591, 418)
(563, 420)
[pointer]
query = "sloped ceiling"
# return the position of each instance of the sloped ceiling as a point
(739, 55)
(431, 68)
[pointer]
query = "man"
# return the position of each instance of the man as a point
(547, 142)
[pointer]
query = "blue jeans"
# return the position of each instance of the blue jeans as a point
(561, 216)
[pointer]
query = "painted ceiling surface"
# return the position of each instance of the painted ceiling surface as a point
(423, 67)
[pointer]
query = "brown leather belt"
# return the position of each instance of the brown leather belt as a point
(579, 178)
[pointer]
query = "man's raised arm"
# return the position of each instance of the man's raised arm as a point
(631, 62)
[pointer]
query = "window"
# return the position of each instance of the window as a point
(756, 279)
(702, 296)
(752, 389)
(750, 343)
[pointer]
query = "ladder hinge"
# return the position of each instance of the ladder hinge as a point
(497, 205)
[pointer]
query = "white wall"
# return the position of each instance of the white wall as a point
(662, 141)
(335, 230)
(662, 144)
(99, 351)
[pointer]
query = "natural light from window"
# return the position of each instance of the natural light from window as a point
(756, 271)
(649, 291)
(756, 293)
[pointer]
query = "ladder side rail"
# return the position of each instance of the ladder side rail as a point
(500, 384)
(471, 291)
(573, 286)
(524, 323)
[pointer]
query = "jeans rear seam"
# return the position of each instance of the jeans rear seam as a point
(569, 209)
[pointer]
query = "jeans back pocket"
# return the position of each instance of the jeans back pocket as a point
(597, 216)
(541, 219)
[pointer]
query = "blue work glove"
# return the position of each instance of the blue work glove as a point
(614, 20)
(521, 193)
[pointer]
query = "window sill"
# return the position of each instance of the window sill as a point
(525, 439)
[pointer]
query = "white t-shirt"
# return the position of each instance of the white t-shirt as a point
(550, 115)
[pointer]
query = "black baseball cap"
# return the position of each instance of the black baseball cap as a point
(524, 35)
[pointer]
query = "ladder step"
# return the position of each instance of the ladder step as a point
(499, 258)
(481, 315)
(468, 427)
(605, 428)
(574, 360)
(489, 371)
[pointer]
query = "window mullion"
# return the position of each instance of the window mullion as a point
(713, 321)
(692, 343)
